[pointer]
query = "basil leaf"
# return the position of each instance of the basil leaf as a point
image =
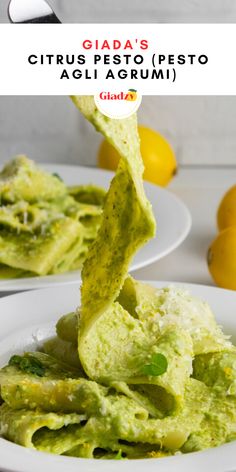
(28, 364)
(14, 360)
(158, 365)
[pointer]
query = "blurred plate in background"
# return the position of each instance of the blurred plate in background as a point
(172, 216)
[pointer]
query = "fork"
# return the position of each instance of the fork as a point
(31, 11)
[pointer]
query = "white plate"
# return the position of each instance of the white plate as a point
(173, 225)
(28, 318)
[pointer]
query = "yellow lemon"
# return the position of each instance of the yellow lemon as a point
(158, 157)
(221, 258)
(226, 215)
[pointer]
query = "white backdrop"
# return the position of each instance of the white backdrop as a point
(202, 130)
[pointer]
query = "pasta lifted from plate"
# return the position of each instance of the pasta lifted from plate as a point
(134, 372)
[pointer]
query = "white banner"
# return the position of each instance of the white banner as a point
(166, 59)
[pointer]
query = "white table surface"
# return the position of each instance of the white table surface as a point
(201, 190)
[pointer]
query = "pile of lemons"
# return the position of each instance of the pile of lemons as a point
(221, 256)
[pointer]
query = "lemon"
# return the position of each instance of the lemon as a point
(158, 157)
(221, 258)
(226, 215)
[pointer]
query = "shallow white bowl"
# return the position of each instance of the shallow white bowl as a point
(28, 318)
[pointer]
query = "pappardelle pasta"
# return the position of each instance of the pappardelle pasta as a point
(135, 371)
(45, 227)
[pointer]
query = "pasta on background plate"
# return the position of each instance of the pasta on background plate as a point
(45, 227)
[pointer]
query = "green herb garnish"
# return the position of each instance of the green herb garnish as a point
(118, 456)
(28, 364)
(57, 176)
(158, 365)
